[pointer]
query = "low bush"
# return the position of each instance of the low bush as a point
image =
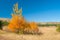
(5, 23)
(58, 28)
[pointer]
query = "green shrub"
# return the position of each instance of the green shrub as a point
(58, 28)
(1, 24)
(5, 23)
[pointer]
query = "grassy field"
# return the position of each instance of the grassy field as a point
(48, 33)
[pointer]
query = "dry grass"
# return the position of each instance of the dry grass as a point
(49, 33)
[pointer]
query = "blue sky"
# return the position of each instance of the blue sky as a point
(33, 10)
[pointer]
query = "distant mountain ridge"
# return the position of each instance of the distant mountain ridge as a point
(5, 19)
(8, 19)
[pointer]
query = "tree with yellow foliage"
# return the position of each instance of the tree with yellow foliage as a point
(18, 23)
(16, 20)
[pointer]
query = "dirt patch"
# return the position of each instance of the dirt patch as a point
(49, 33)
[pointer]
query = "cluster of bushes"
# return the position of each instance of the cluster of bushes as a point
(47, 25)
(22, 26)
